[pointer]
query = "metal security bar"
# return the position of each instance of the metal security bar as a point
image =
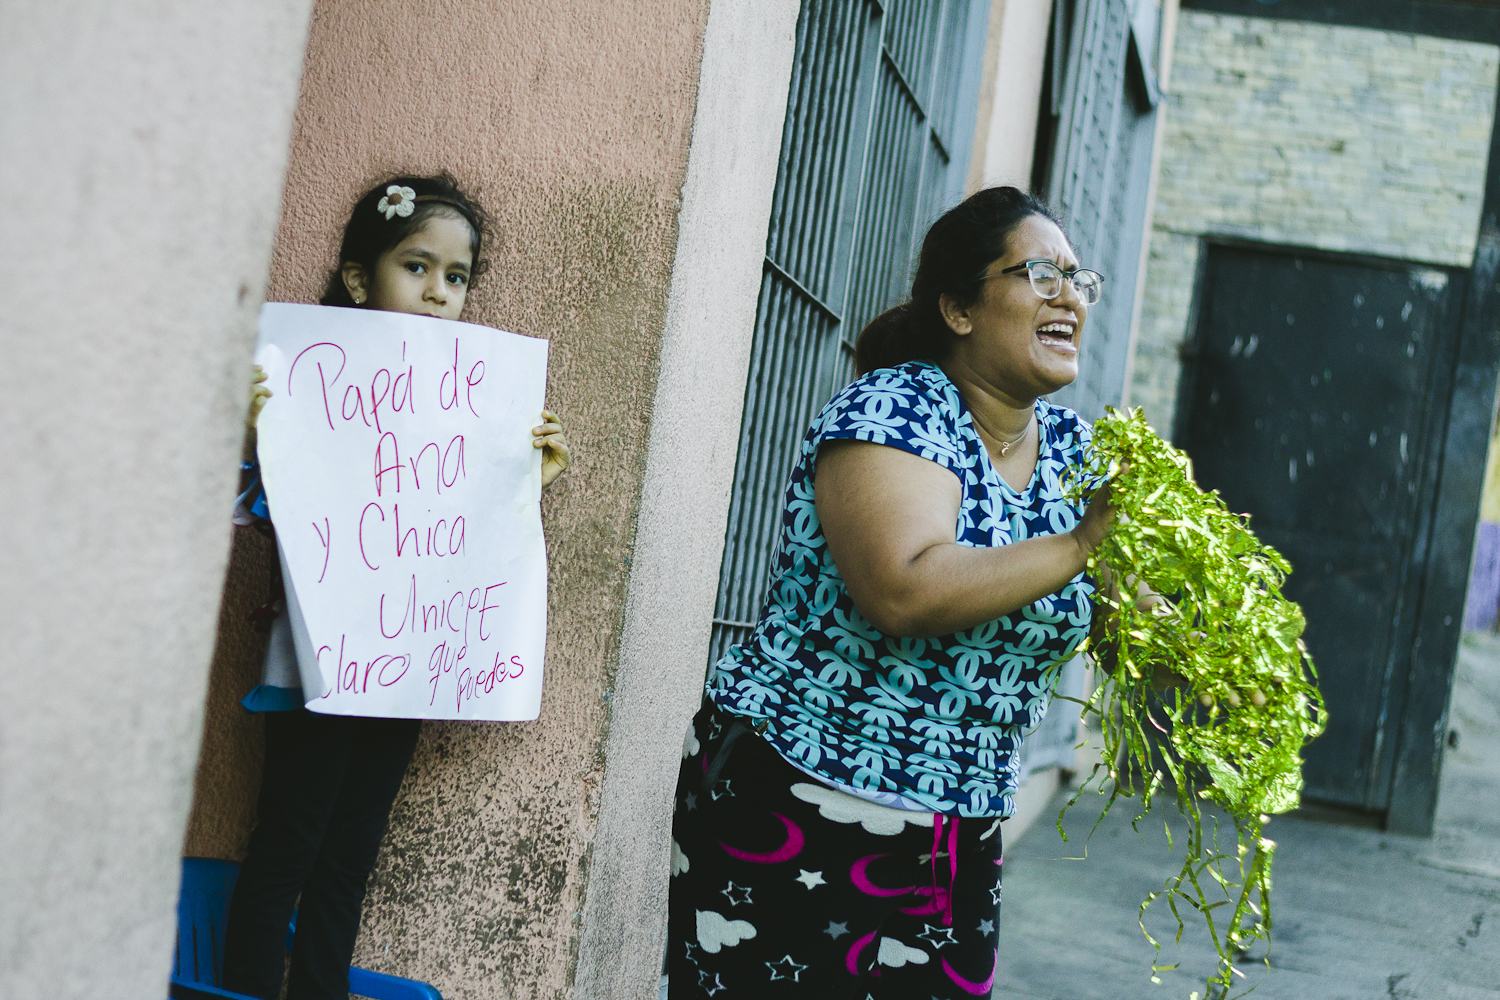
(879, 125)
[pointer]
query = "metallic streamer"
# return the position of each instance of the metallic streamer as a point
(1207, 692)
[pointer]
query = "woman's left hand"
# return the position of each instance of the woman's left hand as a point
(555, 455)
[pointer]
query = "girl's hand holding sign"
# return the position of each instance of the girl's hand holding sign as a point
(555, 454)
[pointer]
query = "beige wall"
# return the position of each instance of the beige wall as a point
(142, 147)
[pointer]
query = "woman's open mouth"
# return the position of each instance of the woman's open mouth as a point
(1058, 336)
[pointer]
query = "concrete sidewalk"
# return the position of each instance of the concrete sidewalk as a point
(1358, 913)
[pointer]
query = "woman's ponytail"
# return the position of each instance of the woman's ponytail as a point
(888, 340)
(958, 250)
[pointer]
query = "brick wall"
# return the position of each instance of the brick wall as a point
(1339, 138)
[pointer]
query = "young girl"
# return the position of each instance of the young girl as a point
(412, 245)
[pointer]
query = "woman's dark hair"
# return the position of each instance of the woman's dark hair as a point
(957, 251)
(368, 234)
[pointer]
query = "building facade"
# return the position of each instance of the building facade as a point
(654, 180)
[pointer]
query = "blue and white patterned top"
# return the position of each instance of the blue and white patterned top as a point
(935, 721)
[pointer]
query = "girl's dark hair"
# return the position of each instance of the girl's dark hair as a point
(368, 234)
(959, 248)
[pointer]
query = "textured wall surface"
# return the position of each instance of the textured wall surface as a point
(143, 148)
(571, 120)
(230, 760)
(1339, 138)
(695, 426)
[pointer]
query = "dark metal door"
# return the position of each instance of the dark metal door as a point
(1313, 401)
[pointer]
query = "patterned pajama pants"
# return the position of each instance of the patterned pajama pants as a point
(784, 887)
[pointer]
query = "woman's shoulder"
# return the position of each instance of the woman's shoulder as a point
(913, 406)
(915, 384)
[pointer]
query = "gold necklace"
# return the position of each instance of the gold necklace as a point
(1006, 446)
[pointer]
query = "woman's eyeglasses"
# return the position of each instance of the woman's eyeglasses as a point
(1047, 280)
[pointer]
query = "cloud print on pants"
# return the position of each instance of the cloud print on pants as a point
(841, 807)
(679, 860)
(715, 932)
(895, 954)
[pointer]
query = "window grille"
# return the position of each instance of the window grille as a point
(879, 126)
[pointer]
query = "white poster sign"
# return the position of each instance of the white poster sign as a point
(397, 457)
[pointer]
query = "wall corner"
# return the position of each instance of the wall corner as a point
(725, 210)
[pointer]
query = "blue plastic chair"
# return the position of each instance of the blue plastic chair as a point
(202, 912)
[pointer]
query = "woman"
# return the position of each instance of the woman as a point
(838, 809)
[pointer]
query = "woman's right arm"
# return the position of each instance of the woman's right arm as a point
(889, 518)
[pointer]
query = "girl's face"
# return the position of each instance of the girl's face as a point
(1018, 337)
(427, 273)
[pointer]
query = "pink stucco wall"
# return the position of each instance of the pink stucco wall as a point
(571, 120)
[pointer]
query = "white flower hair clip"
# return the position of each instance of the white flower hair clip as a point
(398, 200)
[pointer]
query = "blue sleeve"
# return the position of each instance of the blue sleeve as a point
(250, 506)
(895, 408)
(269, 698)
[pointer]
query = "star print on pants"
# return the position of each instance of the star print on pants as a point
(713, 987)
(995, 895)
(691, 801)
(810, 879)
(688, 948)
(986, 927)
(836, 931)
(737, 894)
(785, 969)
(720, 790)
(938, 936)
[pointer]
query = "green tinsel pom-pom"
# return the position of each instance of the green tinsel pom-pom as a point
(1207, 693)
